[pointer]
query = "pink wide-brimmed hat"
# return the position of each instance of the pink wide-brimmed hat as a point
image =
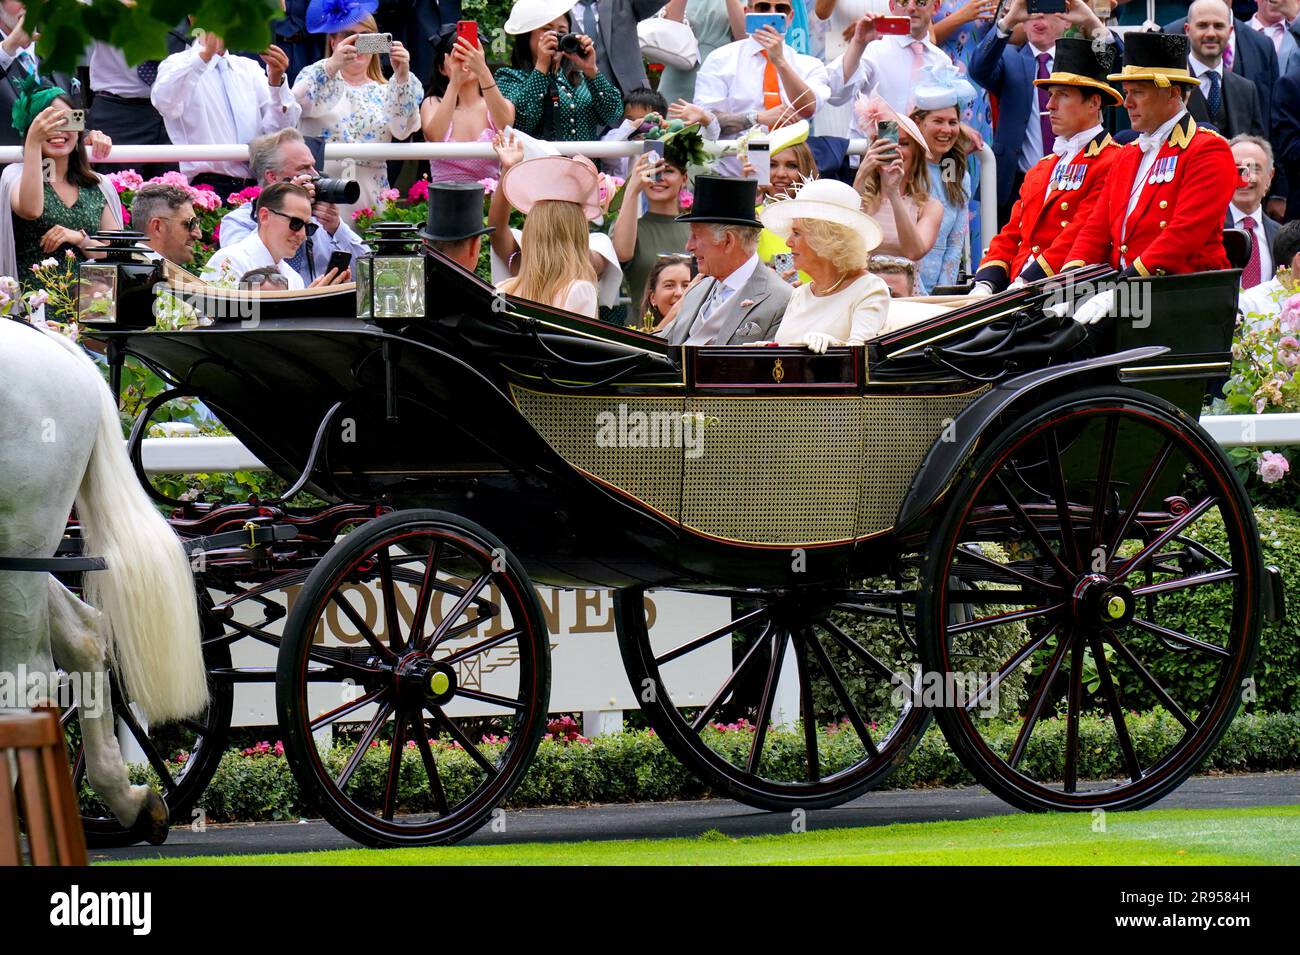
(871, 111)
(559, 178)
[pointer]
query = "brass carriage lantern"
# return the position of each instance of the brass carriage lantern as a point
(117, 288)
(390, 280)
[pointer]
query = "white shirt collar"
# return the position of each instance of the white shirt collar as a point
(737, 279)
(259, 254)
(1199, 68)
(907, 40)
(1035, 51)
(1076, 142)
(1257, 214)
(1159, 137)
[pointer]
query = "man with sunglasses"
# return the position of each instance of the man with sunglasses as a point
(166, 216)
(283, 224)
(760, 79)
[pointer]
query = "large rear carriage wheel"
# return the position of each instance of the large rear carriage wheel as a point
(1112, 529)
(438, 706)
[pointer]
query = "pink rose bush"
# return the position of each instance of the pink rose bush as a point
(208, 206)
(1272, 467)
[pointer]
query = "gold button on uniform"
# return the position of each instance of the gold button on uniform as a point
(1123, 248)
(1164, 203)
(1163, 224)
(1064, 223)
(1034, 250)
(1064, 206)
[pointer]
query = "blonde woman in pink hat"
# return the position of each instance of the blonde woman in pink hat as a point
(558, 196)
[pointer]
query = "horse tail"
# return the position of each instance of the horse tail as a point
(147, 591)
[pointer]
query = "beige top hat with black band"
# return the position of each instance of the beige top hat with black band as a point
(1159, 58)
(1086, 65)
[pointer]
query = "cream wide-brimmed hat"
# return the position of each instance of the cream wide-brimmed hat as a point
(828, 200)
(561, 178)
(528, 15)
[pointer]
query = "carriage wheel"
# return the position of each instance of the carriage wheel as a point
(853, 722)
(184, 755)
(443, 692)
(1106, 525)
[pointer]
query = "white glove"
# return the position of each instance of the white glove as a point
(1019, 282)
(819, 342)
(980, 290)
(1096, 308)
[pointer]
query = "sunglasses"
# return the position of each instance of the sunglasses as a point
(190, 224)
(296, 224)
(763, 7)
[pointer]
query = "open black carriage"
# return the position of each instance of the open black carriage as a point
(991, 514)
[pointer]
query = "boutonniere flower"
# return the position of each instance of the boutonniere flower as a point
(747, 303)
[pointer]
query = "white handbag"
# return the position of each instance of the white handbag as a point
(668, 42)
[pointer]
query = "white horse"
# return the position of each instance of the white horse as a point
(60, 441)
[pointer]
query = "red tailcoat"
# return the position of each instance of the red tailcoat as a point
(1043, 223)
(1177, 225)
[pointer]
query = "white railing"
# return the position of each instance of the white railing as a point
(424, 151)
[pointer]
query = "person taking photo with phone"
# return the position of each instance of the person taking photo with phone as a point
(553, 81)
(52, 202)
(346, 99)
(463, 104)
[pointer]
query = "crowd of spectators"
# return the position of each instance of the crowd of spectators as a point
(926, 82)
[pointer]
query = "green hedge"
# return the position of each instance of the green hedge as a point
(634, 766)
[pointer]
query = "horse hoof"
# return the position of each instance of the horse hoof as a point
(153, 822)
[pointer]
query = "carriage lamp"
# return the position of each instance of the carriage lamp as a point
(390, 280)
(117, 289)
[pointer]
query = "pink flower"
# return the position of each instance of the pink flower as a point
(358, 213)
(126, 216)
(38, 298)
(685, 200)
(1273, 467)
(389, 195)
(419, 191)
(244, 195)
(489, 185)
(128, 180)
(216, 232)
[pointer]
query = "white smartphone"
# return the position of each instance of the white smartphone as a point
(374, 43)
(75, 121)
(760, 157)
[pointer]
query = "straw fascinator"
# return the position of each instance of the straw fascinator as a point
(828, 200)
(941, 85)
(33, 97)
(871, 111)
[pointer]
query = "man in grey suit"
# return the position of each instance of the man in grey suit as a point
(738, 299)
(611, 24)
(1231, 103)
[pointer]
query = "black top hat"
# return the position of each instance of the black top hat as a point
(1159, 58)
(724, 200)
(455, 212)
(1080, 63)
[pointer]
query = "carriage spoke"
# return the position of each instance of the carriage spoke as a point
(850, 644)
(1166, 634)
(345, 709)
(150, 751)
(194, 726)
(1046, 679)
(1010, 616)
(1019, 657)
(480, 647)
(1069, 545)
(492, 698)
(706, 714)
(1196, 580)
(1001, 569)
(466, 598)
(391, 625)
(1102, 490)
(1074, 703)
(1035, 532)
(359, 622)
(808, 708)
(691, 646)
(459, 736)
(779, 640)
(990, 596)
(425, 595)
(1139, 494)
(1152, 683)
(430, 764)
(367, 737)
(1163, 538)
(394, 766)
(1111, 695)
(851, 709)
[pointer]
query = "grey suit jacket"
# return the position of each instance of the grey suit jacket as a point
(750, 314)
(618, 50)
(1241, 108)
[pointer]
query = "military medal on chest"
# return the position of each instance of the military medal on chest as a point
(1163, 171)
(1069, 177)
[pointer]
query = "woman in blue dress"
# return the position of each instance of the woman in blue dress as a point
(939, 96)
(959, 26)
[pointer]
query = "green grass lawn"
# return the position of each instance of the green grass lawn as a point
(1255, 836)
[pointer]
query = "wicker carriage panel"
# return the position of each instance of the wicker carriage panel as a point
(899, 430)
(776, 470)
(640, 462)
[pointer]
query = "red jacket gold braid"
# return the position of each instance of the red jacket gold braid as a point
(1043, 225)
(1176, 226)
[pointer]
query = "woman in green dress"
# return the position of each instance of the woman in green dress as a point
(557, 95)
(52, 202)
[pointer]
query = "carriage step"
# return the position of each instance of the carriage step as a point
(1274, 594)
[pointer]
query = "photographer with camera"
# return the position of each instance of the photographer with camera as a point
(345, 97)
(552, 80)
(285, 157)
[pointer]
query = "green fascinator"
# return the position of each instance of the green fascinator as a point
(33, 97)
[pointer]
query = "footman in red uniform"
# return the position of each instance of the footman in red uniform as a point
(1162, 210)
(1061, 189)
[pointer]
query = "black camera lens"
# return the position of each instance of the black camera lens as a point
(570, 43)
(338, 191)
